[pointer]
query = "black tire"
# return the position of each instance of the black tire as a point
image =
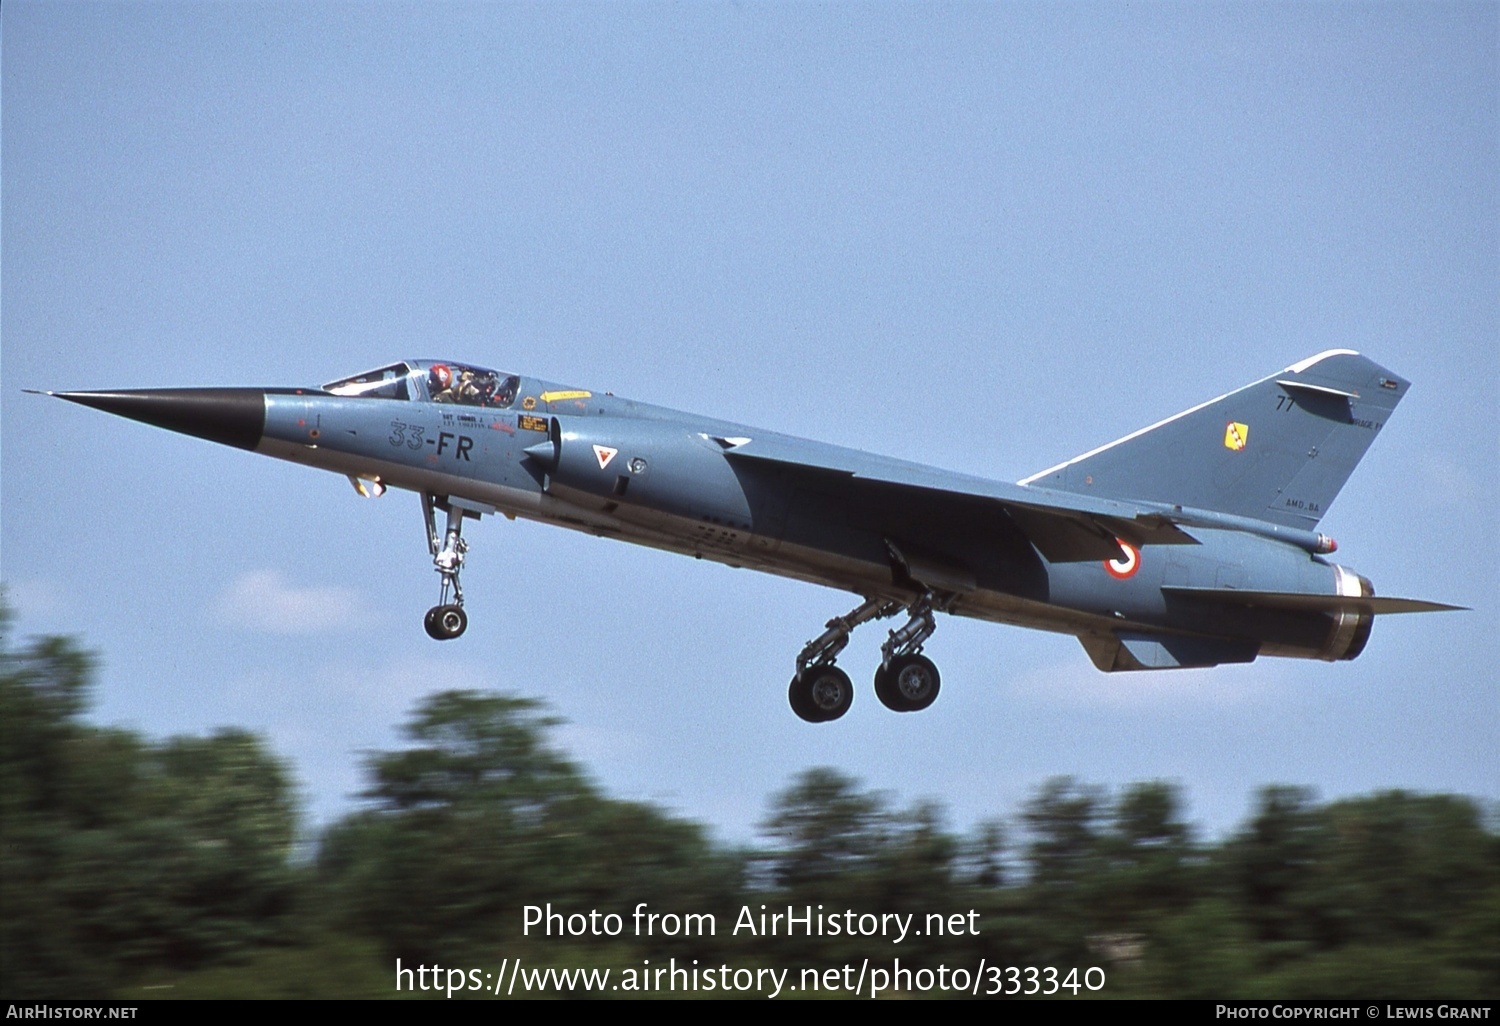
(821, 693)
(801, 701)
(445, 622)
(914, 682)
(885, 690)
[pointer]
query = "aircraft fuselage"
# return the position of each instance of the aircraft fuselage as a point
(670, 487)
(1230, 570)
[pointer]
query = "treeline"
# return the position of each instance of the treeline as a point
(135, 868)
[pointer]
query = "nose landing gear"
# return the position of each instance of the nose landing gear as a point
(447, 620)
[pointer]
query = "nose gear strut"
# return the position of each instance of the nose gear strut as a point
(447, 619)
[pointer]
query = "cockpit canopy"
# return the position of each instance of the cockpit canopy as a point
(385, 383)
(437, 381)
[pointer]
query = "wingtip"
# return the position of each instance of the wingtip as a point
(1302, 365)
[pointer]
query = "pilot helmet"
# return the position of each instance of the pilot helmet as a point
(439, 378)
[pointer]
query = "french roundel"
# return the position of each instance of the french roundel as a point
(1125, 567)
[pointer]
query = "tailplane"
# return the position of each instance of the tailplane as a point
(1278, 450)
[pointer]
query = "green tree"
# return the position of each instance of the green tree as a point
(982, 855)
(1403, 867)
(472, 749)
(1204, 951)
(1063, 821)
(833, 842)
(124, 858)
(43, 689)
(1413, 878)
(1064, 897)
(1150, 858)
(826, 833)
(1273, 864)
(843, 848)
(480, 817)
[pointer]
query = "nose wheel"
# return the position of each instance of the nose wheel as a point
(445, 621)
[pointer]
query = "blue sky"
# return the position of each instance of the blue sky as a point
(987, 237)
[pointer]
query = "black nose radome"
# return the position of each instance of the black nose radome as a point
(231, 416)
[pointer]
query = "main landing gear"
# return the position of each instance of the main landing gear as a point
(447, 619)
(906, 681)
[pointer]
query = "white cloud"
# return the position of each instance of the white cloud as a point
(264, 600)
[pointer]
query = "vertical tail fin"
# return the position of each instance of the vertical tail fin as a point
(1278, 450)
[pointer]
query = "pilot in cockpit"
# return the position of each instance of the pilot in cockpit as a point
(466, 391)
(440, 383)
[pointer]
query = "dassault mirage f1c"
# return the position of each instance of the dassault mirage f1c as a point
(1189, 543)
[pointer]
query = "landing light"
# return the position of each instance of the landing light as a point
(368, 487)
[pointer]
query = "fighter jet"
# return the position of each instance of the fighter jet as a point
(1189, 543)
